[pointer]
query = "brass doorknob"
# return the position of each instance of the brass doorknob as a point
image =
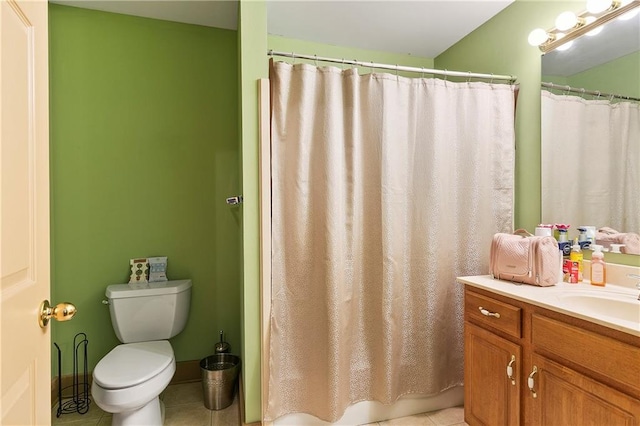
(61, 312)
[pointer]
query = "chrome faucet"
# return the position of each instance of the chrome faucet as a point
(637, 285)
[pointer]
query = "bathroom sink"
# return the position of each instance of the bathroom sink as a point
(624, 307)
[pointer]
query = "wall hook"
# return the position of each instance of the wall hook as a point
(232, 201)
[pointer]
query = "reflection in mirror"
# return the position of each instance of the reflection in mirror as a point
(591, 134)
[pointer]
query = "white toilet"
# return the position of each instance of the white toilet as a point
(129, 379)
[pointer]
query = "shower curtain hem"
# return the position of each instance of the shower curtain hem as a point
(391, 402)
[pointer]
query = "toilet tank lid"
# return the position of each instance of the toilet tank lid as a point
(120, 291)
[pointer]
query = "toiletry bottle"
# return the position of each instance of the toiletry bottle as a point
(582, 238)
(598, 267)
(543, 230)
(576, 256)
(563, 244)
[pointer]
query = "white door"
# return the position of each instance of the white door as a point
(25, 370)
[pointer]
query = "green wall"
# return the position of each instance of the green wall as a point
(555, 79)
(627, 77)
(626, 70)
(144, 130)
(284, 44)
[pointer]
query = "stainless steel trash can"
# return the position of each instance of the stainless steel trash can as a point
(219, 378)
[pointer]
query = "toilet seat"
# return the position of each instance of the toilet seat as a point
(131, 364)
(135, 398)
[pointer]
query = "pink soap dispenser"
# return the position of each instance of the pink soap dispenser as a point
(598, 267)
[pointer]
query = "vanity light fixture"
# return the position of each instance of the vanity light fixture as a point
(628, 15)
(588, 20)
(565, 46)
(539, 36)
(567, 20)
(570, 26)
(599, 6)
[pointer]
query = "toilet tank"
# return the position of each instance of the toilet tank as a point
(158, 311)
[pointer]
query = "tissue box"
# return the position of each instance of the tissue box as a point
(139, 270)
(157, 269)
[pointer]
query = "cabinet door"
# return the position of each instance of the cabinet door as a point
(491, 397)
(565, 397)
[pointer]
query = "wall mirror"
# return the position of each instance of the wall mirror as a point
(591, 139)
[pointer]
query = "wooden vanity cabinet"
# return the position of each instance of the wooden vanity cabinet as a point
(493, 361)
(491, 397)
(585, 374)
(566, 397)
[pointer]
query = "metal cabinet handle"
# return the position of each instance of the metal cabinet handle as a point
(486, 313)
(530, 382)
(510, 370)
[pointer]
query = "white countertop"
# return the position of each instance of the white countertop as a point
(611, 306)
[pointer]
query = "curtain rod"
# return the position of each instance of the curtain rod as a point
(586, 92)
(509, 78)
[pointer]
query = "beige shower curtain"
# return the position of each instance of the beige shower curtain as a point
(385, 189)
(591, 162)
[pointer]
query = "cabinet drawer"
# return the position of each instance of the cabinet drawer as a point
(589, 350)
(493, 313)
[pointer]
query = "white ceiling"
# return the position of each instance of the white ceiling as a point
(419, 27)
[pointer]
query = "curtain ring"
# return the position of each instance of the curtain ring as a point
(371, 67)
(583, 92)
(598, 94)
(294, 57)
(468, 76)
(342, 64)
(315, 60)
(491, 81)
(422, 72)
(445, 74)
(397, 78)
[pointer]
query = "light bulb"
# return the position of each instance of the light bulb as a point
(566, 20)
(560, 36)
(589, 20)
(537, 37)
(598, 6)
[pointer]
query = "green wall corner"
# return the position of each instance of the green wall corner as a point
(143, 134)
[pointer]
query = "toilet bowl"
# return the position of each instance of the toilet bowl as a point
(128, 380)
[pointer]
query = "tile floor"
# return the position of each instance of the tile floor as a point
(184, 407)
(183, 403)
(447, 417)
